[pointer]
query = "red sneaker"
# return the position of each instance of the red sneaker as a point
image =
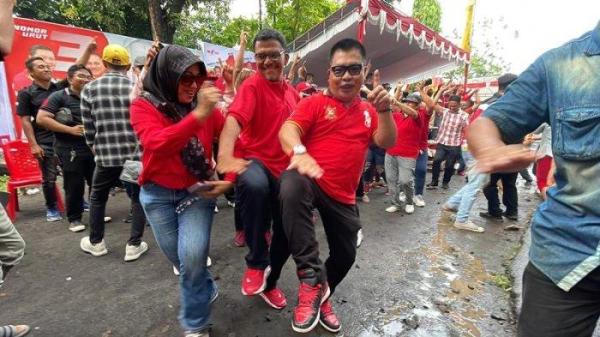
(328, 319)
(306, 313)
(239, 240)
(275, 298)
(255, 281)
(268, 237)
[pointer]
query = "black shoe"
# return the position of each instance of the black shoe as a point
(129, 218)
(490, 216)
(432, 186)
(513, 216)
(445, 186)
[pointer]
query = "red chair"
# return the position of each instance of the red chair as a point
(23, 170)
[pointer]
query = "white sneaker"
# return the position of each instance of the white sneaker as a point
(208, 262)
(419, 202)
(231, 204)
(392, 209)
(402, 197)
(216, 209)
(76, 226)
(469, 226)
(409, 209)
(197, 334)
(359, 238)
(365, 199)
(107, 219)
(98, 249)
(175, 271)
(133, 253)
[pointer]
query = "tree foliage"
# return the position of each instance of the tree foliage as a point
(204, 23)
(429, 13)
(126, 17)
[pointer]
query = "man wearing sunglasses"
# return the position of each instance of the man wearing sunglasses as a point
(327, 137)
(263, 102)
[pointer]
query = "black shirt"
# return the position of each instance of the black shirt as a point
(29, 102)
(65, 106)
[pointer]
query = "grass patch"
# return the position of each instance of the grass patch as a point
(502, 281)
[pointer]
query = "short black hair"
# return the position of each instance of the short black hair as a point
(33, 49)
(75, 68)
(454, 98)
(267, 34)
(505, 80)
(347, 45)
(29, 62)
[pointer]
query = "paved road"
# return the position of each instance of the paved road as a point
(415, 275)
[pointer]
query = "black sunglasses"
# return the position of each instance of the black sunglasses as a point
(353, 69)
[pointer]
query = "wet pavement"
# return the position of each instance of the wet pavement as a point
(415, 275)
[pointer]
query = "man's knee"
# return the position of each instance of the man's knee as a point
(293, 185)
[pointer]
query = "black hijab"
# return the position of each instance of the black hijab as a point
(160, 89)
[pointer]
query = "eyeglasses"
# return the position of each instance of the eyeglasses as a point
(353, 69)
(84, 77)
(189, 79)
(274, 56)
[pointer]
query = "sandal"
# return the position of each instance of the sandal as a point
(11, 331)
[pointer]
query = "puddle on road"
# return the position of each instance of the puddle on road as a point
(447, 273)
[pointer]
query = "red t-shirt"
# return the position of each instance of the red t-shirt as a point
(425, 118)
(162, 142)
(408, 142)
(261, 107)
(337, 137)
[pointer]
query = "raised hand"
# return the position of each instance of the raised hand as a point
(379, 97)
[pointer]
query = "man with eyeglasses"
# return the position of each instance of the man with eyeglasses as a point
(327, 137)
(105, 110)
(61, 114)
(263, 102)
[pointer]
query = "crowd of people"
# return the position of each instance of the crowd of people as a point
(176, 136)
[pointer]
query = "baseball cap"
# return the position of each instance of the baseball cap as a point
(414, 98)
(305, 87)
(116, 55)
(139, 61)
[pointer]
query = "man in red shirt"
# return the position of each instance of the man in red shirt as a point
(263, 102)
(327, 138)
(401, 159)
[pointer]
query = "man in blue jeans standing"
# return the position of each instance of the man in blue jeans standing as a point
(561, 284)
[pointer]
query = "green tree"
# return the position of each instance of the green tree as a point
(429, 13)
(205, 23)
(126, 17)
(294, 17)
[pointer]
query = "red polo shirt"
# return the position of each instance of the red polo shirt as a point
(162, 142)
(337, 137)
(261, 107)
(408, 142)
(426, 118)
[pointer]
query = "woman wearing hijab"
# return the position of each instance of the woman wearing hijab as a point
(175, 123)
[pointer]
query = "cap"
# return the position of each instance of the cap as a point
(139, 61)
(414, 98)
(116, 55)
(305, 87)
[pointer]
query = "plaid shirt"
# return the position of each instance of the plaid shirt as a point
(451, 128)
(105, 111)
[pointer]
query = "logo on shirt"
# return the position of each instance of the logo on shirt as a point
(367, 118)
(330, 113)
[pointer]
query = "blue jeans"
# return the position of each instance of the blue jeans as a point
(421, 172)
(464, 199)
(183, 235)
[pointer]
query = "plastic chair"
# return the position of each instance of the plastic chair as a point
(23, 170)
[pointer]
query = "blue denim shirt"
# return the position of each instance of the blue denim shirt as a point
(562, 88)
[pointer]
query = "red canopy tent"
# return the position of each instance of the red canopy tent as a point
(399, 46)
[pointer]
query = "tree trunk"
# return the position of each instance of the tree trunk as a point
(156, 20)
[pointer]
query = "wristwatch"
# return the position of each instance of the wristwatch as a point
(299, 149)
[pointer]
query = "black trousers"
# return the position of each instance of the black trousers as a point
(450, 155)
(257, 192)
(549, 311)
(299, 195)
(49, 167)
(105, 178)
(76, 173)
(510, 198)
